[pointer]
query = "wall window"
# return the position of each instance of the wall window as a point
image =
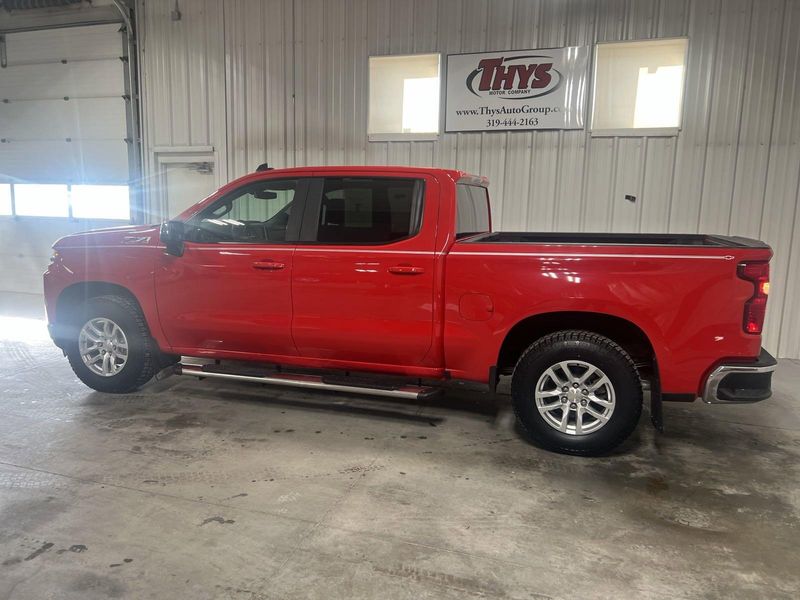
(639, 85)
(100, 202)
(41, 200)
(5, 199)
(404, 97)
(106, 202)
(368, 211)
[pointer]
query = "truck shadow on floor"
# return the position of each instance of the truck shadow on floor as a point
(463, 401)
(215, 402)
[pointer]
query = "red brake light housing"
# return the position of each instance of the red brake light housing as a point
(755, 309)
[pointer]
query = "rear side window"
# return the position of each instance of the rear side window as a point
(361, 210)
(472, 210)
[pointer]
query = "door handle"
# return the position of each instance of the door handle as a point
(268, 265)
(406, 270)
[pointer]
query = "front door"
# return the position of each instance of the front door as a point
(363, 274)
(231, 289)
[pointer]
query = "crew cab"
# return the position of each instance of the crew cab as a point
(389, 280)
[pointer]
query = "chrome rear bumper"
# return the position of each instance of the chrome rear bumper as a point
(741, 383)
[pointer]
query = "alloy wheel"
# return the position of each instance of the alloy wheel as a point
(103, 347)
(575, 397)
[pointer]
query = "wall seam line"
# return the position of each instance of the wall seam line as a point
(708, 119)
(772, 120)
(741, 123)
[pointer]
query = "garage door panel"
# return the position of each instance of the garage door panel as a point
(37, 122)
(70, 43)
(83, 118)
(56, 80)
(66, 162)
(105, 161)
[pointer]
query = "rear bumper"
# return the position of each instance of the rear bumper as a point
(741, 383)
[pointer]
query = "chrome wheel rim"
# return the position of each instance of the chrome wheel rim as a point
(575, 397)
(103, 347)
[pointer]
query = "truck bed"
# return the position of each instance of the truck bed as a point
(616, 239)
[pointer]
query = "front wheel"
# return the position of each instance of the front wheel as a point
(110, 349)
(577, 392)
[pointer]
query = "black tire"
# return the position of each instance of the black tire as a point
(143, 357)
(591, 348)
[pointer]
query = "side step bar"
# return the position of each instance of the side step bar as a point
(311, 382)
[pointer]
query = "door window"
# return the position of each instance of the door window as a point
(472, 210)
(257, 213)
(367, 210)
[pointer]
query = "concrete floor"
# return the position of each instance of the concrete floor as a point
(206, 490)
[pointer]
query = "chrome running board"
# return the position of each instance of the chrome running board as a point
(311, 382)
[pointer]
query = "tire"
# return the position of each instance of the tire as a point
(542, 391)
(142, 359)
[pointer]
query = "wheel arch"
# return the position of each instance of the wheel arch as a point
(622, 331)
(74, 295)
(70, 299)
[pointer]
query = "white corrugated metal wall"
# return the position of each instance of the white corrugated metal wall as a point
(285, 81)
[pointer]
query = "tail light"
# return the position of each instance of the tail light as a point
(755, 309)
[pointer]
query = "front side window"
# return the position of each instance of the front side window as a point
(259, 213)
(472, 210)
(368, 210)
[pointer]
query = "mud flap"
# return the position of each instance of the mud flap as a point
(656, 410)
(656, 407)
(494, 378)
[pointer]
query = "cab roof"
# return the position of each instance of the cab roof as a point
(454, 174)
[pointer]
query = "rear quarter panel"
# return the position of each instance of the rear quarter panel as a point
(687, 300)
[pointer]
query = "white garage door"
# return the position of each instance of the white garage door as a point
(63, 124)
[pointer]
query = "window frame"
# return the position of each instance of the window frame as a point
(401, 136)
(313, 206)
(641, 131)
(292, 227)
(69, 217)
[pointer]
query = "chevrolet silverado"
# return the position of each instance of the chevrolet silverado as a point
(389, 280)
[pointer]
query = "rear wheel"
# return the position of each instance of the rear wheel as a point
(111, 349)
(577, 392)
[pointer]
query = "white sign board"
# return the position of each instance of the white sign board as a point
(520, 89)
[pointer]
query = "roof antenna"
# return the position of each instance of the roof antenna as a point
(263, 167)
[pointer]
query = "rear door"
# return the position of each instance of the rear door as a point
(363, 275)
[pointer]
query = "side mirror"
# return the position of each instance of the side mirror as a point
(173, 236)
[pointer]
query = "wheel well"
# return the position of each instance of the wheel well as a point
(73, 296)
(621, 331)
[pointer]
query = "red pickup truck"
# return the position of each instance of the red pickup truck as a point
(387, 280)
